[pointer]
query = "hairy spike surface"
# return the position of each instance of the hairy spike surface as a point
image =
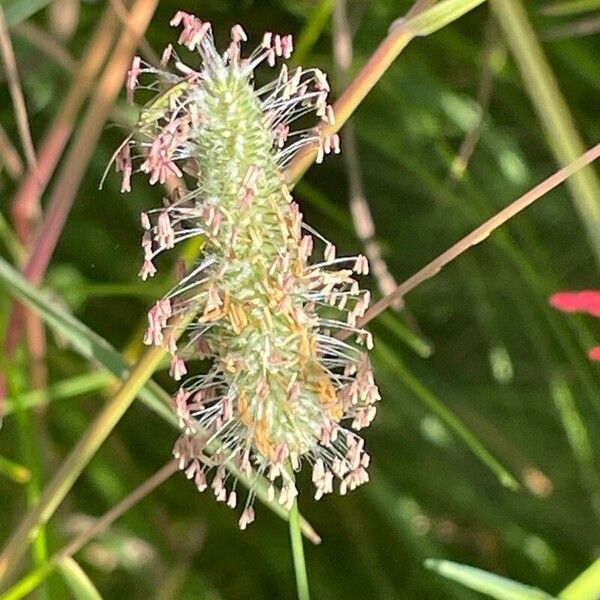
(280, 383)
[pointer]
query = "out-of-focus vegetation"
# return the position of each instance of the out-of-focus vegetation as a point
(475, 357)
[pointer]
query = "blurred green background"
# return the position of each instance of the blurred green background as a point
(478, 339)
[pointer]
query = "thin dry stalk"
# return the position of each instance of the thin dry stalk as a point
(54, 142)
(81, 151)
(482, 232)
(104, 522)
(145, 48)
(9, 156)
(16, 93)
(359, 206)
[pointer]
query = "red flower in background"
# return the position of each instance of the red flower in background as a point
(585, 301)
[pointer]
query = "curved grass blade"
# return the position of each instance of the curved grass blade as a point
(29, 583)
(68, 388)
(564, 139)
(79, 583)
(454, 424)
(298, 554)
(584, 587)
(313, 29)
(479, 580)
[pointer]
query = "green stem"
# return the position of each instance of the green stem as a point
(18, 473)
(27, 430)
(563, 9)
(298, 553)
(584, 587)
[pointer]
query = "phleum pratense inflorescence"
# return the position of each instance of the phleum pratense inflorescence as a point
(270, 318)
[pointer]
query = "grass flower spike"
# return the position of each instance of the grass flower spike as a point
(268, 306)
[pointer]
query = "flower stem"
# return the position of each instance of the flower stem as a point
(481, 233)
(400, 35)
(298, 553)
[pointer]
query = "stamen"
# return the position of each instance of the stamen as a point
(279, 386)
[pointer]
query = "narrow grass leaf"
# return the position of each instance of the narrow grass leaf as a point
(584, 587)
(313, 29)
(554, 113)
(68, 388)
(442, 14)
(412, 339)
(437, 407)
(570, 7)
(24, 587)
(576, 428)
(298, 554)
(479, 580)
(78, 582)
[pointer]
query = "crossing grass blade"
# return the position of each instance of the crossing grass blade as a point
(479, 580)
(19, 10)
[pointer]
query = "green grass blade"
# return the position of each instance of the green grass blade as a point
(312, 31)
(454, 424)
(586, 586)
(12, 470)
(78, 582)
(69, 388)
(479, 580)
(24, 587)
(431, 20)
(16, 11)
(298, 554)
(413, 340)
(11, 241)
(570, 7)
(578, 435)
(553, 111)
(28, 428)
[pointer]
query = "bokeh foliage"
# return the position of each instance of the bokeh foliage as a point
(514, 371)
